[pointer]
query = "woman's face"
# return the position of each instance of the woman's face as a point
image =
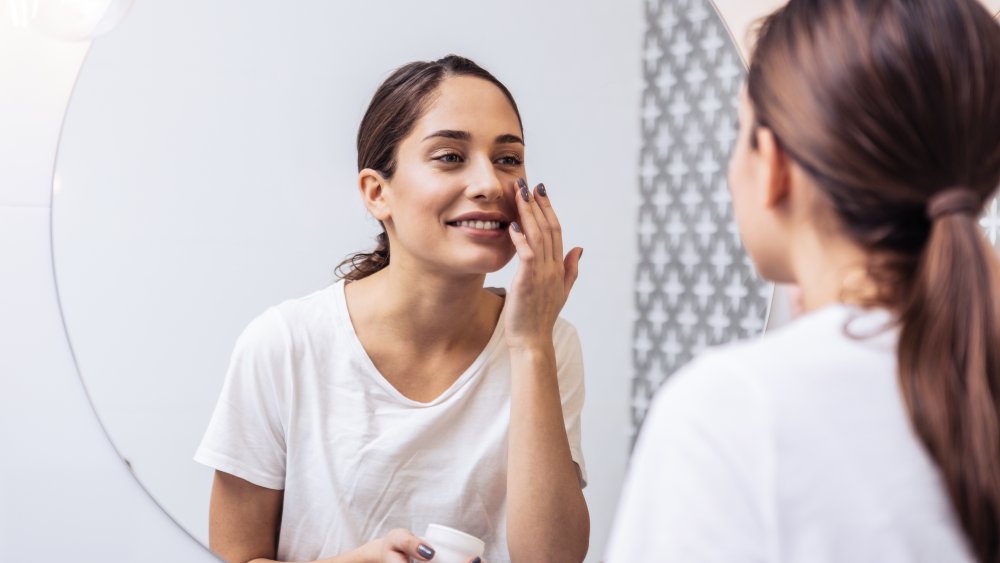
(450, 200)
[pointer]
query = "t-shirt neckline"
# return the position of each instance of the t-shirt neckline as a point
(340, 298)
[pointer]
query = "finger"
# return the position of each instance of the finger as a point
(530, 216)
(404, 541)
(524, 251)
(572, 269)
(545, 205)
(543, 226)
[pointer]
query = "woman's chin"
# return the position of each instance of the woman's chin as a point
(501, 261)
(485, 264)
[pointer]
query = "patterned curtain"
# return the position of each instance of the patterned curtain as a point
(695, 285)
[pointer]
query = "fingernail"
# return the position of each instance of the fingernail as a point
(516, 227)
(425, 552)
(524, 195)
(477, 560)
(522, 184)
(541, 190)
(581, 253)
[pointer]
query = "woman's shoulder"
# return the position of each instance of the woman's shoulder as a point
(718, 376)
(832, 347)
(835, 337)
(317, 304)
(278, 325)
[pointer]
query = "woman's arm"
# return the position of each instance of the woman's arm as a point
(244, 520)
(547, 517)
(547, 514)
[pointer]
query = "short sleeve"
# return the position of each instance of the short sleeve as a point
(701, 473)
(569, 366)
(246, 436)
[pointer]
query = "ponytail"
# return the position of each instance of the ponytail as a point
(883, 103)
(364, 264)
(949, 364)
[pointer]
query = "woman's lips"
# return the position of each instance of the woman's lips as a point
(481, 225)
(481, 229)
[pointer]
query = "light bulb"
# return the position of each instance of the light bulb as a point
(70, 20)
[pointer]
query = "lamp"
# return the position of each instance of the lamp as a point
(69, 20)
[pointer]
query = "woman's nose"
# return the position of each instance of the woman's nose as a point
(484, 182)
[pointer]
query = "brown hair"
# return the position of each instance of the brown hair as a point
(886, 104)
(396, 106)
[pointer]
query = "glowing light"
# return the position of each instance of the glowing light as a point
(69, 20)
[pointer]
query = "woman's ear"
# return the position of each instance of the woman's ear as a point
(373, 193)
(776, 164)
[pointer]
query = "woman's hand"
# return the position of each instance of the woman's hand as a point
(544, 279)
(399, 546)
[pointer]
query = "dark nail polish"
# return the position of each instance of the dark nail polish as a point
(477, 560)
(524, 195)
(581, 253)
(522, 184)
(541, 190)
(425, 552)
(516, 227)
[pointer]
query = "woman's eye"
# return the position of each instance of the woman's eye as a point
(510, 160)
(450, 158)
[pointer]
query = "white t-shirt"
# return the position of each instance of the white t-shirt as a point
(304, 409)
(795, 447)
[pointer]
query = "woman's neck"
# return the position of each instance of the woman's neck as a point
(830, 269)
(422, 308)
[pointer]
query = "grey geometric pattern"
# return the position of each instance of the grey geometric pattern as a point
(695, 285)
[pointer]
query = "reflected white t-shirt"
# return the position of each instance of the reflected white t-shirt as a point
(795, 447)
(304, 409)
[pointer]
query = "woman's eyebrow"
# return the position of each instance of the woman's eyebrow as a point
(450, 134)
(508, 138)
(466, 136)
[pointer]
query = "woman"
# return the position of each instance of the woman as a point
(867, 429)
(406, 393)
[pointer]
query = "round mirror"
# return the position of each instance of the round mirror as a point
(207, 171)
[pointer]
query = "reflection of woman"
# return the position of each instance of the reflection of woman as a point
(409, 394)
(868, 429)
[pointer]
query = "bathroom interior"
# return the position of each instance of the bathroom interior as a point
(170, 169)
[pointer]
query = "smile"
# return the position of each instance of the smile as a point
(481, 225)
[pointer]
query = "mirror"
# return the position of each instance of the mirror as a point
(207, 171)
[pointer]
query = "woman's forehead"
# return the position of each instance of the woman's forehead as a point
(471, 104)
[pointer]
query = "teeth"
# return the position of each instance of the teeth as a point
(481, 225)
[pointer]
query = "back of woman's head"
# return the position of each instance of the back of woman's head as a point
(393, 111)
(892, 107)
